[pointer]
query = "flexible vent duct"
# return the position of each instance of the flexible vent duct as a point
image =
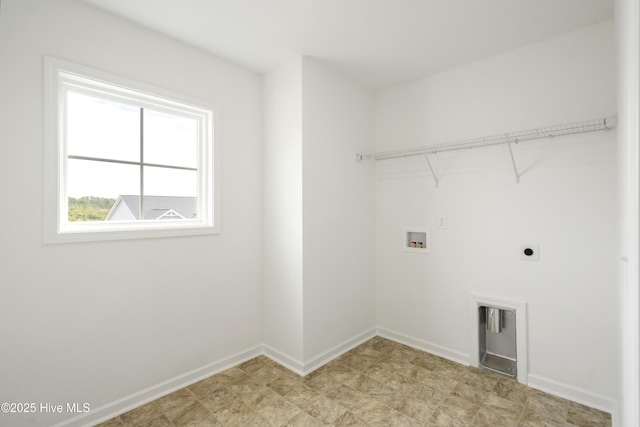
(493, 319)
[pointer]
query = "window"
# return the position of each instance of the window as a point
(124, 159)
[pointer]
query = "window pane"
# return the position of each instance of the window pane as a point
(89, 182)
(170, 193)
(170, 182)
(102, 128)
(162, 208)
(170, 140)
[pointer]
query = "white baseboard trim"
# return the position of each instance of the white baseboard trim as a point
(127, 403)
(122, 405)
(327, 356)
(429, 347)
(575, 394)
(305, 368)
(285, 360)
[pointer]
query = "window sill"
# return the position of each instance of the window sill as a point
(88, 232)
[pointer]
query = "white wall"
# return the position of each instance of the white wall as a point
(96, 322)
(339, 210)
(319, 288)
(566, 203)
(628, 36)
(282, 213)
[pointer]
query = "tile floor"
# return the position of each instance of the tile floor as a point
(379, 383)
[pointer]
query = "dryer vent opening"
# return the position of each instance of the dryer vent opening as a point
(497, 340)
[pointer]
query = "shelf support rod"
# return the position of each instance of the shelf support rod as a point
(513, 160)
(435, 178)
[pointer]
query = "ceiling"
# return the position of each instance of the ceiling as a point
(380, 43)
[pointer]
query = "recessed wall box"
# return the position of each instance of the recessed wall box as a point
(416, 239)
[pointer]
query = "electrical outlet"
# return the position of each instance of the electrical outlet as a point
(529, 252)
(442, 222)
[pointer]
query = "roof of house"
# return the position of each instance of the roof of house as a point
(158, 207)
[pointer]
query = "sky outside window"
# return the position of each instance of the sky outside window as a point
(105, 129)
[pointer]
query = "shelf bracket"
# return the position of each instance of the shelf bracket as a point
(513, 160)
(435, 178)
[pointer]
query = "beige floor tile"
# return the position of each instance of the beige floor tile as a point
(480, 379)
(511, 390)
(284, 385)
(436, 382)
(383, 346)
(452, 416)
(231, 376)
(279, 412)
(363, 383)
(265, 374)
(410, 370)
(360, 362)
(260, 398)
(583, 416)
(416, 409)
(175, 402)
(252, 365)
(471, 394)
(396, 419)
(244, 386)
(370, 352)
(345, 396)
(326, 410)
(497, 411)
(381, 370)
(340, 373)
(404, 352)
(552, 407)
(234, 414)
(303, 420)
(214, 400)
(536, 419)
(401, 383)
(322, 383)
(256, 421)
(428, 394)
(206, 386)
(380, 383)
(350, 419)
(458, 402)
(371, 410)
(303, 397)
(193, 415)
(387, 395)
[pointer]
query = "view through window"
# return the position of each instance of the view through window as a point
(128, 159)
(116, 149)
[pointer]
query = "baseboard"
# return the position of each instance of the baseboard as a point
(576, 394)
(566, 391)
(285, 360)
(327, 356)
(122, 405)
(134, 400)
(438, 350)
(305, 368)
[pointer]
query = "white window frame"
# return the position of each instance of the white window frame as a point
(59, 75)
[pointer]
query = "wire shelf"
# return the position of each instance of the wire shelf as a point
(506, 138)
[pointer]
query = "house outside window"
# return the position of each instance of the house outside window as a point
(126, 160)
